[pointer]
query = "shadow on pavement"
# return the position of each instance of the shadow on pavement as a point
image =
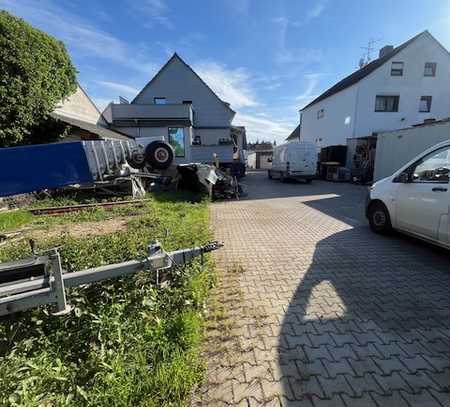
(371, 314)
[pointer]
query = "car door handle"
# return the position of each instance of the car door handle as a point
(439, 189)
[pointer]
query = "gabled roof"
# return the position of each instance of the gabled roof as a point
(176, 56)
(366, 70)
(295, 134)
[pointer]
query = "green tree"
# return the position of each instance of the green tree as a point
(35, 74)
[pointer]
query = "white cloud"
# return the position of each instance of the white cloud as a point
(231, 85)
(79, 35)
(129, 90)
(263, 128)
(316, 11)
(312, 80)
(157, 11)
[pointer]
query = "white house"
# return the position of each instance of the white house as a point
(180, 107)
(404, 86)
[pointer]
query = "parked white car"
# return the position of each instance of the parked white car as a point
(416, 198)
(294, 160)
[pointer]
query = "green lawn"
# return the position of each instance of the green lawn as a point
(128, 342)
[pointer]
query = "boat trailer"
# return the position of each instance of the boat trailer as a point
(41, 280)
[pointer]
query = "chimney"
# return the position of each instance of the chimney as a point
(385, 50)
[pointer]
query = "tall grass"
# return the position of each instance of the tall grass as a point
(14, 219)
(128, 342)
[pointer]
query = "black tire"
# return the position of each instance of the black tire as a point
(137, 159)
(269, 174)
(282, 179)
(159, 155)
(308, 181)
(379, 219)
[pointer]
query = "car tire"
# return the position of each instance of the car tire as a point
(379, 219)
(308, 180)
(282, 179)
(269, 174)
(159, 155)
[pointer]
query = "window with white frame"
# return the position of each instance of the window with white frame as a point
(397, 69)
(386, 103)
(425, 104)
(430, 69)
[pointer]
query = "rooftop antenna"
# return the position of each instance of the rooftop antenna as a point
(367, 55)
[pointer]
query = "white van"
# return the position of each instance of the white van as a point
(416, 198)
(294, 160)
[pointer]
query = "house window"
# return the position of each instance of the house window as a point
(430, 69)
(176, 140)
(320, 113)
(425, 104)
(397, 69)
(386, 103)
(160, 101)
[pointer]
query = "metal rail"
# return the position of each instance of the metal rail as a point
(74, 208)
(20, 294)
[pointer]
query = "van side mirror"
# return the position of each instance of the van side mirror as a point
(403, 178)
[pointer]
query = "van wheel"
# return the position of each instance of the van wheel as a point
(269, 174)
(308, 180)
(379, 219)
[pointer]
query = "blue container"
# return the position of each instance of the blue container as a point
(43, 166)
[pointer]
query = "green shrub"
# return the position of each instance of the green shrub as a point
(35, 74)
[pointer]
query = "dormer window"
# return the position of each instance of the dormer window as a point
(397, 69)
(159, 101)
(430, 69)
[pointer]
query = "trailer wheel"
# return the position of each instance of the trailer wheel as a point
(137, 158)
(159, 155)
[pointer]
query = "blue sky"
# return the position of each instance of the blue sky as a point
(267, 58)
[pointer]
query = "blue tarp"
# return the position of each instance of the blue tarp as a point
(33, 168)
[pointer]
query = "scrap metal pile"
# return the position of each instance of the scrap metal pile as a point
(207, 178)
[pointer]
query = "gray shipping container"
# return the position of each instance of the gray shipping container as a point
(396, 148)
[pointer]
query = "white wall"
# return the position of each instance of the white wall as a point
(411, 86)
(176, 83)
(358, 101)
(332, 128)
(79, 106)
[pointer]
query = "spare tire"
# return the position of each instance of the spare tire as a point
(159, 155)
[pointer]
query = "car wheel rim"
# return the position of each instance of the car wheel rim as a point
(379, 218)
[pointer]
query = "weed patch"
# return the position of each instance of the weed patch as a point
(128, 342)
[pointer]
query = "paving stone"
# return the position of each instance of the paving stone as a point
(364, 384)
(336, 385)
(365, 400)
(324, 310)
(424, 399)
(390, 400)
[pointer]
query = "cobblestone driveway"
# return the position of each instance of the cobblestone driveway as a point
(326, 313)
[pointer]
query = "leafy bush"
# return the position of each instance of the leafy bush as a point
(128, 342)
(35, 74)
